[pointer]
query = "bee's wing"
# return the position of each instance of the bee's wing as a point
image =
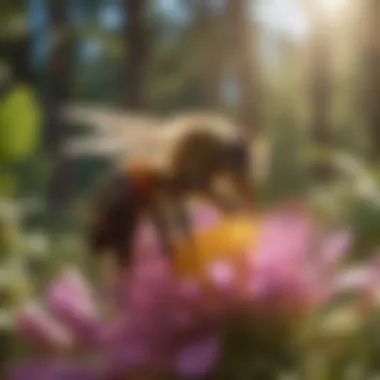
(116, 133)
(106, 119)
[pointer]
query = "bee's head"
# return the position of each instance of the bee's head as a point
(237, 155)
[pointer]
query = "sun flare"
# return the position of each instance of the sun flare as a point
(332, 6)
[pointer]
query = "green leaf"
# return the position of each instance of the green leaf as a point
(20, 124)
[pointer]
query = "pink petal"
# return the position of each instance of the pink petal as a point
(71, 301)
(133, 352)
(204, 216)
(197, 358)
(190, 289)
(146, 244)
(285, 237)
(53, 371)
(37, 326)
(335, 248)
(221, 274)
(153, 270)
(71, 288)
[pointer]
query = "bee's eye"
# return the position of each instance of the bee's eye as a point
(238, 156)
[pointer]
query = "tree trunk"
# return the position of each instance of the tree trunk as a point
(320, 88)
(244, 46)
(136, 42)
(372, 74)
(320, 80)
(212, 32)
(59, 91)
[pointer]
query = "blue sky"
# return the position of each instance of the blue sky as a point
(283, 16)
(279, 16)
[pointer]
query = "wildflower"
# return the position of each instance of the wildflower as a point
(49, 370)
(40, 328)
(70, 300)
(245, 280)
(67, 317)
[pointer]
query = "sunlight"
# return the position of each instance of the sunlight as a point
(332, 6)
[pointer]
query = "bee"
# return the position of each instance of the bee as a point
(202, 150)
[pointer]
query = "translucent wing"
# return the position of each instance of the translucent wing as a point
(107, 119)
(116, 133)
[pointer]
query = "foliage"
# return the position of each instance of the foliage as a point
(20, 123)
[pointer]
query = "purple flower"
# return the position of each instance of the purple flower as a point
(168, 323)
(57, 371)
(293, 267)
(67, 317)
(37, 326)
(71, 301)
(197, 358)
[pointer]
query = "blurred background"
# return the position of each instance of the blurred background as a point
(301, 76)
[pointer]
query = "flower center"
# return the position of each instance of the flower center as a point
(224, 240)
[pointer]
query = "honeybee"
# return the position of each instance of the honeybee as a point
(201, 150)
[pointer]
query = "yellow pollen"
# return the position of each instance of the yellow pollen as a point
(223, 241)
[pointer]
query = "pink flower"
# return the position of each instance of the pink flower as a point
(35, 324)
(58, 371)
(169, 324)
(195, 359)
(68, 316)
(71, 301)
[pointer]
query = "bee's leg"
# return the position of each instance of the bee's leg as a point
(161, 224)
(183, 220)
(125, 237)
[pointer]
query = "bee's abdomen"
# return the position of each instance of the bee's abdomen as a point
(125, 196)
